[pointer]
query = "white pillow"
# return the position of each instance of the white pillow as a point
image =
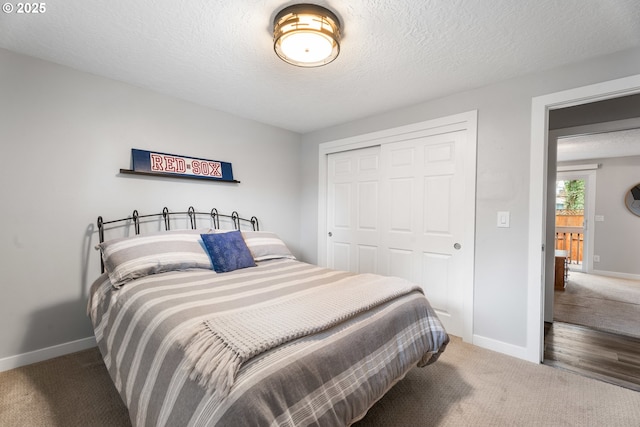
(266, 245)
(130, 258)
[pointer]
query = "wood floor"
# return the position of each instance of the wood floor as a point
(600, 355)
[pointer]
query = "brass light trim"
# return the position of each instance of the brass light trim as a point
(306, 35)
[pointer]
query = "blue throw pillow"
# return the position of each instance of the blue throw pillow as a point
(227, 251)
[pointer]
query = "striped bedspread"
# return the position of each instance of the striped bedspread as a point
(328, 378)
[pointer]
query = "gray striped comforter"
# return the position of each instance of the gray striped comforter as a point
(329, 378)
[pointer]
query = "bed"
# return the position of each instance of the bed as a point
(204, 326)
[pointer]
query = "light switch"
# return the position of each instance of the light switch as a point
(503, 219)
(599, 218)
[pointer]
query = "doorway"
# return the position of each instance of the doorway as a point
(539, 174)
(570, 224)
(593, 330)
(575, 217)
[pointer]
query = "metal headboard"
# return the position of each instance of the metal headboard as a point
(166, 216)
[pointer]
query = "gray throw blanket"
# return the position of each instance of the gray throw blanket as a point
(219, 345)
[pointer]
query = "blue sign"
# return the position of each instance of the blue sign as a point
(156, 163)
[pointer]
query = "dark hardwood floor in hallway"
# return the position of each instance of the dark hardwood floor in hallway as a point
(600, 355)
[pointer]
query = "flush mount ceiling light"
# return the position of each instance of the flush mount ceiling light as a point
(306, 35)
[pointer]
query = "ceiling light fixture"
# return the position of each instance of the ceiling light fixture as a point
(306, 35)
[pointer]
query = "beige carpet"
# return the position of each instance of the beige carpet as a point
(468, 386)
(72, 390)
(600, 302)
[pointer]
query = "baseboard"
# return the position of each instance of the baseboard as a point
(501, 347)
(47, 353)
(616, 274)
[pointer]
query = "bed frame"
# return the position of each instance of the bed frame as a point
(166, 216)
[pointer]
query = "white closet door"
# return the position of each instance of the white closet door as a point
(352, 210)
(407, 209)
(423, 209)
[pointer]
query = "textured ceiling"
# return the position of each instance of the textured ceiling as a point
(601, 145)
(394, 52)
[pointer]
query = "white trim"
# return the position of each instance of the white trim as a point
(540, 107)
(427, 128)
(500, 346)
(616, 274)
(47, 353)
(573, 168)
(467, 121)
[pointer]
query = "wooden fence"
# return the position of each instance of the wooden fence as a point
(570, 234)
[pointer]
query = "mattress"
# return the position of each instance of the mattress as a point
(330, 377)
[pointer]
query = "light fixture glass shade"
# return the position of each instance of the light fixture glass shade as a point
(306, 35)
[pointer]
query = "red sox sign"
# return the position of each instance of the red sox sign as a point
(171, 164)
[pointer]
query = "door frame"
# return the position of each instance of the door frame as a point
(468, 122)
(538, 172)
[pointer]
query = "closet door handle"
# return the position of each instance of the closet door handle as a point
(457, 246)
(330, 234)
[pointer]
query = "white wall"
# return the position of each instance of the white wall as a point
(504, 133)
(65, 135)
(617, 238)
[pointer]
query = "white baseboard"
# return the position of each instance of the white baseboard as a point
(47, 353)
(616, 274)
(501, 347)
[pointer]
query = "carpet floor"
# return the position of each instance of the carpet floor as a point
(467, 386)
(599, 302)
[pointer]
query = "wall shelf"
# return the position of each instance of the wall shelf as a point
(169, 175)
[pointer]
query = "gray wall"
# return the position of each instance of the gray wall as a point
(617, 238)
(65, 135)
(504, 134)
